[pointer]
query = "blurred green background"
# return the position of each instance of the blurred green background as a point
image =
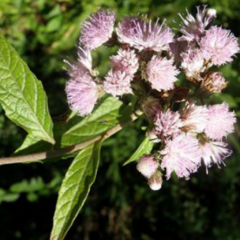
(120, 205)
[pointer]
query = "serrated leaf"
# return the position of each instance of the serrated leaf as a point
(144, 148)
(73, 129)
(22, 96)
(75, 189)
(105, 116)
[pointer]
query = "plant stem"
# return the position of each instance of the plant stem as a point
(70, 149)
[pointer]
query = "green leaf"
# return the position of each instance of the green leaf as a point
(22, 96)
(74, 190)
(73, 129)
(144, 148)
(106, 115)
(54, 24)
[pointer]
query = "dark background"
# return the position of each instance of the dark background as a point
(120, 205)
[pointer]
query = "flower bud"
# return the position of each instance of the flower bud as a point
(211, 13)
(147, 166)
(155, 181)
(214, 82)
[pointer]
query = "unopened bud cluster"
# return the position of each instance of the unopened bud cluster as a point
(147, 64)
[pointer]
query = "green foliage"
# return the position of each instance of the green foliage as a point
(74, 129)
(22, 95)
(144, 148)
(75, 189)
(106, 115)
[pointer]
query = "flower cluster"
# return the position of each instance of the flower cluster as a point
(147, 64)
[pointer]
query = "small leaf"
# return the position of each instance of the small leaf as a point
(106, 115)
(144, 148)
(54, 24)
(22, 96)
(75, 189)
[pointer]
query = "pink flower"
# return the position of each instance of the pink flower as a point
(97, 29)
(182, 155)
(82, 91)
(144, 35)
(193, 63)
(194, 28)
(147, 166)
(167, 124)
(214, 152)
(155, 181)
(219, 45)
(117, 83)
(214, 82)
(220, 121)
(161, 73)
(194, 118)
(125, 61)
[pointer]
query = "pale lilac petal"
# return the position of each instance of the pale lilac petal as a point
(193, 28)
(147, 166)
(161, 73)
(220, 121)
(194, 118)
(97, 29)
(214, 152)
(167, 124)
(85, 58)
(219, 45)
(117, 83)
(125, 61)
(144, 35)
(181, 155)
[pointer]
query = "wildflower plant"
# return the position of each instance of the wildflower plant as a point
(184, 131)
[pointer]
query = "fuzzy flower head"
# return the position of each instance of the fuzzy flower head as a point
(219, 45)
(214, 152)
(194, 28)
(82, 91)
(97, 29)
(147, 166)
(161, 73)
(181, 155)
(167, 124)
(214, 82)
(117, 83)
(192, 63)
(142, 34)
(125, 60)
(220, 121)
(194, 118)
